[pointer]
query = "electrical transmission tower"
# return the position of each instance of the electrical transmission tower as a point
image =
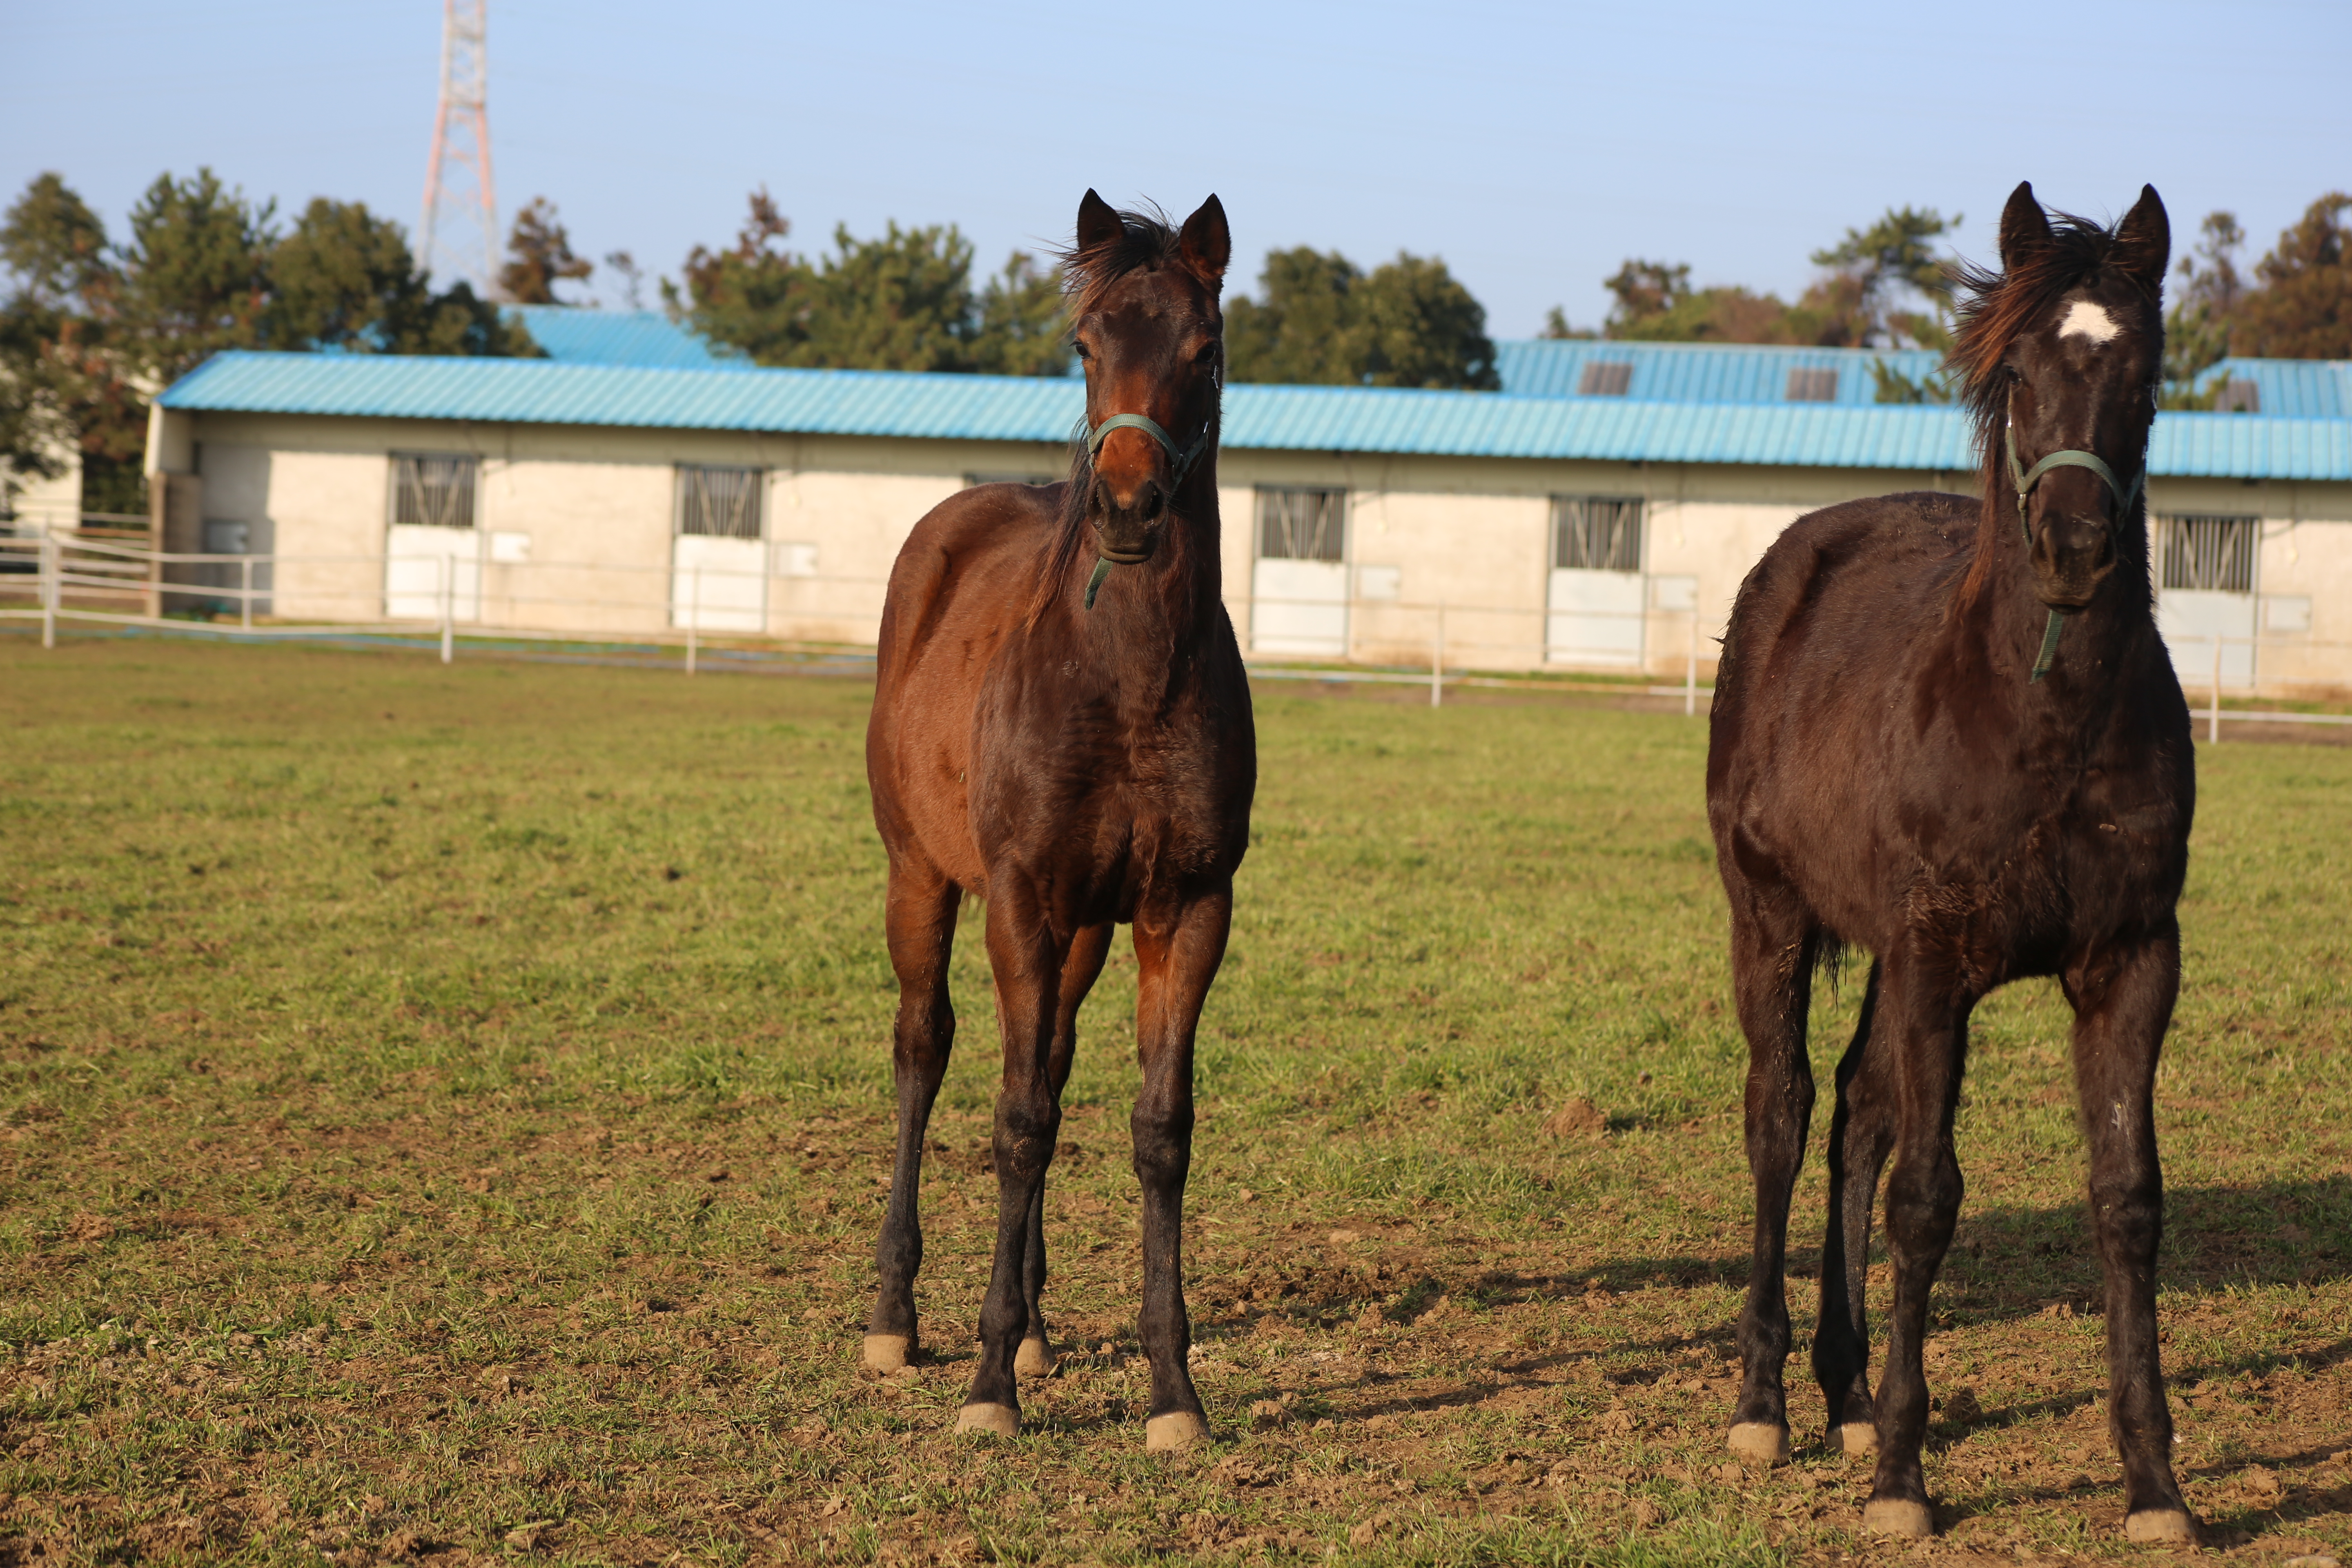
(459, 237)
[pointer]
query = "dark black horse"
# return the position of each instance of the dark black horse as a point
(1945, 730)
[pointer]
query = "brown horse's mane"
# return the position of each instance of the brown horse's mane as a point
(1996, 309)
(1145, 242)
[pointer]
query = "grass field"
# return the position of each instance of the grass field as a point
(442, 1115)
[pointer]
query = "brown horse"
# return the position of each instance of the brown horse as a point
(1062, 727)
(1946, 730)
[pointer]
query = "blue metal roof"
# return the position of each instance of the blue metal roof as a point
(2292, 388)
(1292, 418)
(647, 339)
(1699, 372)
(1758, 373)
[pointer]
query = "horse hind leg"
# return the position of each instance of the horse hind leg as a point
(1773, 948)
(1079, 971)
(920, 926)
(1862, 1131)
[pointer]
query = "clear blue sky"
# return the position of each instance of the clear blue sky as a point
(1534, 147)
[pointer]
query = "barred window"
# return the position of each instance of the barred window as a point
(1812, 386)
(1605, 378)
(1596, 533)
(2208, 552)
(432, 489)
(719, 503)
(1295, 524)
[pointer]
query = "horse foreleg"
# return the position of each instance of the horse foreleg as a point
(1079, 972)
(2123, 1001)
(1026, 958)
(1862, 1129)
(1923, 1033)
(1177, 949)
(1772, 961)
(920, 926)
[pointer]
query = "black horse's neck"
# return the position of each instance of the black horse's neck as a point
(2010, 621)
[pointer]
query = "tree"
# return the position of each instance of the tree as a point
(539, 256)
(1322, 321)
(901, 300)
(1867, 280)
(2303, 309)
(2196, 328)
(1883, 262)
(345, 280)
(1021, 329)
(1296, 333)
(1419, 327)
(89, 332)
(195, 275)
(1655, 303)
(55, 248)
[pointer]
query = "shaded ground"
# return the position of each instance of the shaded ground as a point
(443, 1113)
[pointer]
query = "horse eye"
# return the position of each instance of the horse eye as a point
(1080, 350)
(1208, 353)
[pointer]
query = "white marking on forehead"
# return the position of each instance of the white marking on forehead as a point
(2084, 319)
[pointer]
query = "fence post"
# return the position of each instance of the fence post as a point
(693, 618)
(244, 601)
(1690, 665)
(50, 586)
(448, 607)
(1437, 661)
(2213, 714)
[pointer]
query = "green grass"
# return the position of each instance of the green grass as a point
(441, 1112)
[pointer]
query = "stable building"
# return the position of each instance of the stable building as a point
(1597, 514)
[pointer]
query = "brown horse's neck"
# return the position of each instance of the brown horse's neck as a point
(1168, 602)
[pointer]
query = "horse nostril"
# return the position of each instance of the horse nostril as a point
(1154, 500)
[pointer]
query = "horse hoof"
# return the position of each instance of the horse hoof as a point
(1858, 1438)
(1035, 1359)
(1899, 1515)
(996, 1420)
(888, 1352)
(1760, 1443)
(1173, 1432)
(2161, 1526)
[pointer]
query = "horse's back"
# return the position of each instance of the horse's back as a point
(959, 586)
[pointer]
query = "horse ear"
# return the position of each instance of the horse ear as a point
(1206, 243)
(1098, 222)
(2143, 241)
(2024, 226)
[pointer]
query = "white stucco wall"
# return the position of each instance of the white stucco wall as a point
(597, 506)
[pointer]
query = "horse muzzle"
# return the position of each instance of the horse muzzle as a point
(2071, 556)
(1128, 528)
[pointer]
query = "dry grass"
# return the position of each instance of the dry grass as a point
(442, 1111)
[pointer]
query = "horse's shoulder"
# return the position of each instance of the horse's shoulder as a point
(982, 520)
(1913, 519)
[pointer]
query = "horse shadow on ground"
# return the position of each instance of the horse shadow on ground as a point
(2008, 1262)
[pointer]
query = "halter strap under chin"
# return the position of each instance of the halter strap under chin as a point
(1095, 436)
(2025, 479)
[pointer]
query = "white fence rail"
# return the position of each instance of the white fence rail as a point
(63, 577)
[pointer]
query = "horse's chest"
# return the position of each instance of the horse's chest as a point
(2011, 902)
